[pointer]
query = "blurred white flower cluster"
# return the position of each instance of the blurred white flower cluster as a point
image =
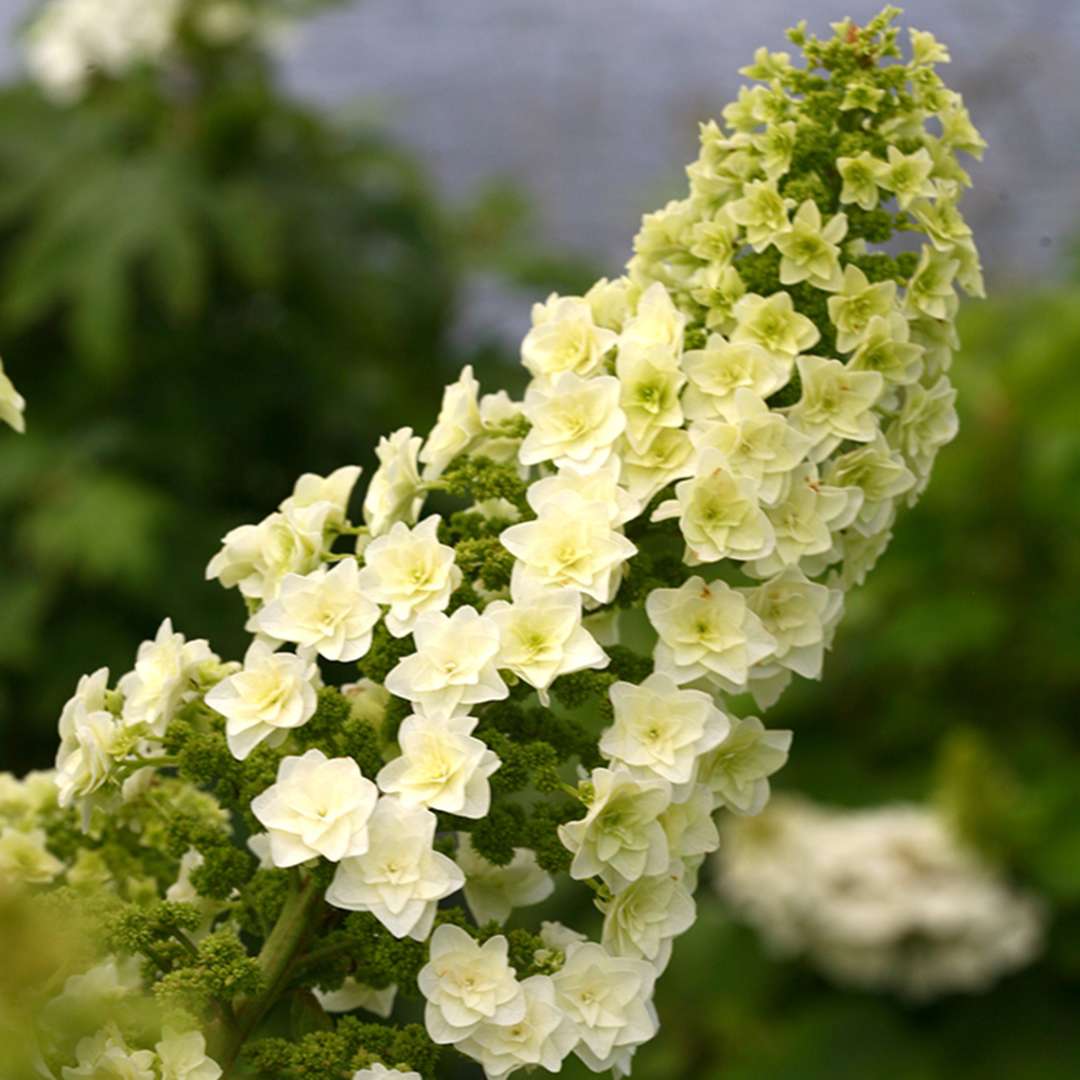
(558, 659)
(70, 40)
(178, 1056)
(885, 898)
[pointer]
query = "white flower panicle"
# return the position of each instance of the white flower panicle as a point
(712, 449)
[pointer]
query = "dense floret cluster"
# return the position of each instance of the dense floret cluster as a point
(886, 898)
(537, 651)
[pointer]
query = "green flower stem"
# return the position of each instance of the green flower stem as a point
(317, 956)
(134, 764)
(276, 961)
(130, 766)
(184, 940)
(162, 761)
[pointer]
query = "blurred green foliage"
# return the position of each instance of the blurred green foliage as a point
(206, 289)
(955, 676)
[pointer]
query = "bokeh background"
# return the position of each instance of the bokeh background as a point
(208, 288)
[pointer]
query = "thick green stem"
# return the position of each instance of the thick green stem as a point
(276, 960)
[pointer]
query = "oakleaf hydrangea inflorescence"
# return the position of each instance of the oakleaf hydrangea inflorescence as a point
(562, 614)
(886, 898)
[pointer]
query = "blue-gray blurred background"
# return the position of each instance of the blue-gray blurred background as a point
(592, 107)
